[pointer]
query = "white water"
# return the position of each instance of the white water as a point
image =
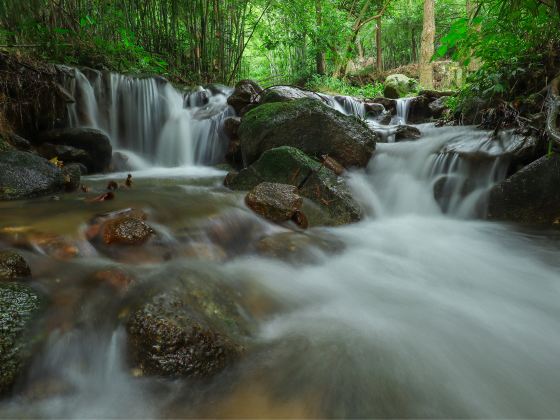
(151, 118)
(426, 312)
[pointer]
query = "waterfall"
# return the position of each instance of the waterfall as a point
(151, 118)
(403, 105)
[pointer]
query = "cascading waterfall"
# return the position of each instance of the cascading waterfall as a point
(151, 118)
(403, 105)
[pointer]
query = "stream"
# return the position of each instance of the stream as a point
(423, 309)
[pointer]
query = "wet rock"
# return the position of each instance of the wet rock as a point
(119, 162)
(231, 127)
(115, 278)
(288, 165)
(432, 95)
(72, 176)
(25, 175)
(310, 126)
(5, 146)
(388, 103)
(438, 106)
(286, 93)
(471, 110)
(13, 266)
(19, 308)
(373, 109)
(275, 202)
(66, 154)
(126, 231)
(407, 132)
(419, 111)
(385, 119)
(193, 328)
(94, 142)
(297, 247)
(530, 196)
(399, 85)
(19, 142)
(246, 93)
(54, 246)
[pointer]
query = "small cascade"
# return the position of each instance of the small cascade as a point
(151, 118)
(403, 105)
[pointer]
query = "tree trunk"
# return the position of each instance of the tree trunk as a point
(427, 47)
(379, 51)
(413, 47)
(320, 58)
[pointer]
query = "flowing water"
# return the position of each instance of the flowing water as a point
(423, 310)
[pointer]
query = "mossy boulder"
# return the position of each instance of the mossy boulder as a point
(13, 266)
(19, 308)
(25, 175)
(399, 85)
(289, 165)
(309, 125)
(286, 93)
(531, 195)
(191, 328)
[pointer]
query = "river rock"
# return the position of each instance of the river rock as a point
(25, 175)
(407, 132)
(373, 109)
(19, 308)
(310, 126)
(438, 106)
(419, 111)
(94, 142)
(275, 202)
(399, 85)
(388, 103)
(72, 175)
(531, 195)
(19, 142)
(246, 93)
(13, 266)
(192, 328)
(66, 154)
(126, 230)
(231, 127)
(288, 165)
(286, 93)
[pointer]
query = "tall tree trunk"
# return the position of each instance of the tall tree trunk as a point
(475, 62)
(427, 47)
(320, 58)
(379, 52)
(413, 46)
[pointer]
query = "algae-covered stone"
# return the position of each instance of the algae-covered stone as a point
(310, 126)
(19, 307)
(25, 175)
(288, 165)
(191, 328)
(275, 202)
(13, 266)
(399, 85)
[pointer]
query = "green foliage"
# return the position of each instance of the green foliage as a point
(333, 85)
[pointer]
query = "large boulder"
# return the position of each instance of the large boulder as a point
(191, 328)
(275, 202)
(246, 94)
(13, 266)
(419, 110)
(25, 175)
(288, 165)
(286, 93)
(310, 126)
(95, 143)
(19, 308)
(66, 154)
(399, 85)
(531, 195)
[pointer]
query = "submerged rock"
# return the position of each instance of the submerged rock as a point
(246, 94)
(531, 195)
(19, 307)
(25, 175)
(193, 328)
(13, 266)
(310, 126)
(275, 202)
(288, 165)
(126, 231)
(94, 142)
(399, 85)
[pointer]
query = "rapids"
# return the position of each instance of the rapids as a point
(427, 311)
